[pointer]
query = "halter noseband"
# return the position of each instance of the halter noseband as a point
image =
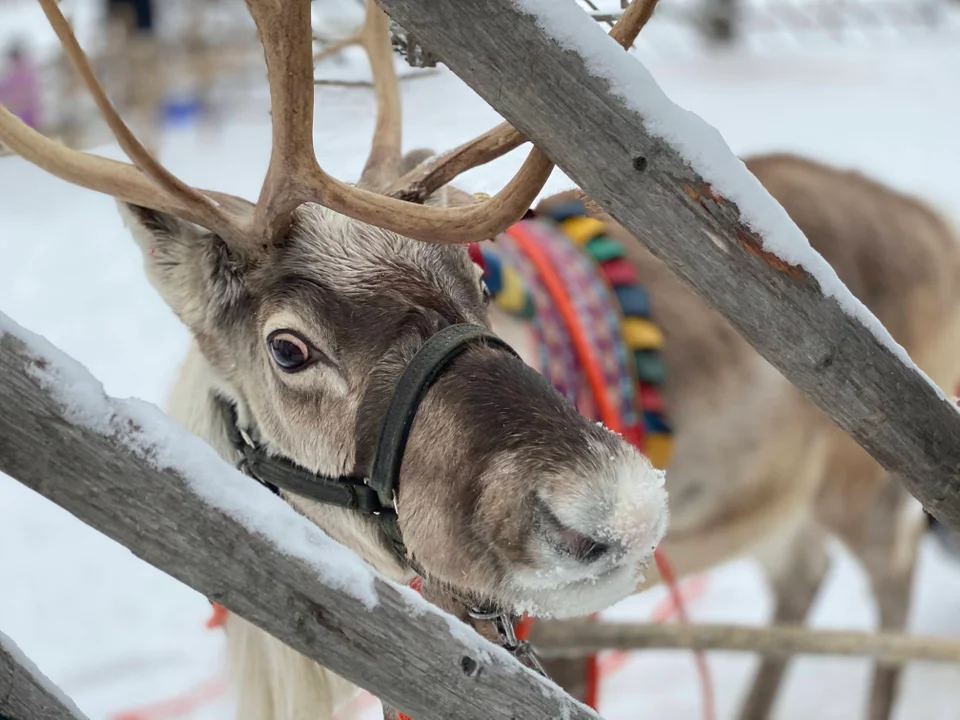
(377, 493)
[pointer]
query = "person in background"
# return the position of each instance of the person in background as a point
(20, 86)
(134, 53)
(135, 14)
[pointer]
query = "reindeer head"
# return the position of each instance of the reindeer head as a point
(309, 305)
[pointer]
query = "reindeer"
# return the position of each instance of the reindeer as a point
(309, 308)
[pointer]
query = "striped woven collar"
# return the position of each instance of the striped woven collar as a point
(590, 316)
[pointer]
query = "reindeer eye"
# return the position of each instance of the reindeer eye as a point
(290, 351)
(485, 291)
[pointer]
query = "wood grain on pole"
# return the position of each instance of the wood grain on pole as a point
(25, 693)
(411, 660)
(547, 93)
(577, 639)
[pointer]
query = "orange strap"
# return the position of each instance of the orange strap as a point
(218, 618)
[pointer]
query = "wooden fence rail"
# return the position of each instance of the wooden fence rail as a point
(579, 638)
(26, 693)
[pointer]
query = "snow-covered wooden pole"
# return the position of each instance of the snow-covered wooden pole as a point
(25, 692)
(670, 179)
(126, 469)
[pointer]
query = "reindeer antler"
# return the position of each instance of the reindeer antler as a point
(145, 182)
(294, 176)
(421, 182)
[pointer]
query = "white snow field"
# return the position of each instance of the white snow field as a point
(126, 642)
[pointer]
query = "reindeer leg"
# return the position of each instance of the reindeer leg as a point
(795, 575)
(886, 538)
(893, 600)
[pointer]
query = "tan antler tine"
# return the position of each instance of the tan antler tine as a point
(117, 179)
(386, 152)
(446, 225)
(632, 21)
(201, 206)
(383, 163)
(96, 173)
(287, 39)
(421, 182)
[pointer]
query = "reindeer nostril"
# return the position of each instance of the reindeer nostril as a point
(595, 551)
(582, 547)
(568, 541)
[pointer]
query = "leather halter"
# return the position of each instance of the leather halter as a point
(377, 493)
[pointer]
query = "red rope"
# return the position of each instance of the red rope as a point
(699, 656)
(177, 706)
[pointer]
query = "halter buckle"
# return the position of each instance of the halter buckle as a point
(520, 649)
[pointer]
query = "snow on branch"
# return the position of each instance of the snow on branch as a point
(25, 692)
(126, 469)
(670, 179)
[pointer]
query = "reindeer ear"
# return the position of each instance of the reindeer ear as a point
(192, 269)
(414, 159)
(450, 196)
(439, 198)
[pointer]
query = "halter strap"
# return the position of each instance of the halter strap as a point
(277, 472)
(424, 369)
(377, 494)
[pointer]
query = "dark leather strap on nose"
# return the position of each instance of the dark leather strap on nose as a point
(424, 369)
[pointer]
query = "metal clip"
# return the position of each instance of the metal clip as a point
(246, 437)
(478, 613)
(520, 649)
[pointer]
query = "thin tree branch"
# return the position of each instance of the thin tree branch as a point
(578, 639)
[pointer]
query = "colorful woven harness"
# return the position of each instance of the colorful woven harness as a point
(596, 339)
(583, 299)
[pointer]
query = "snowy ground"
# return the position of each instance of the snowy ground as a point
(117, 635)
